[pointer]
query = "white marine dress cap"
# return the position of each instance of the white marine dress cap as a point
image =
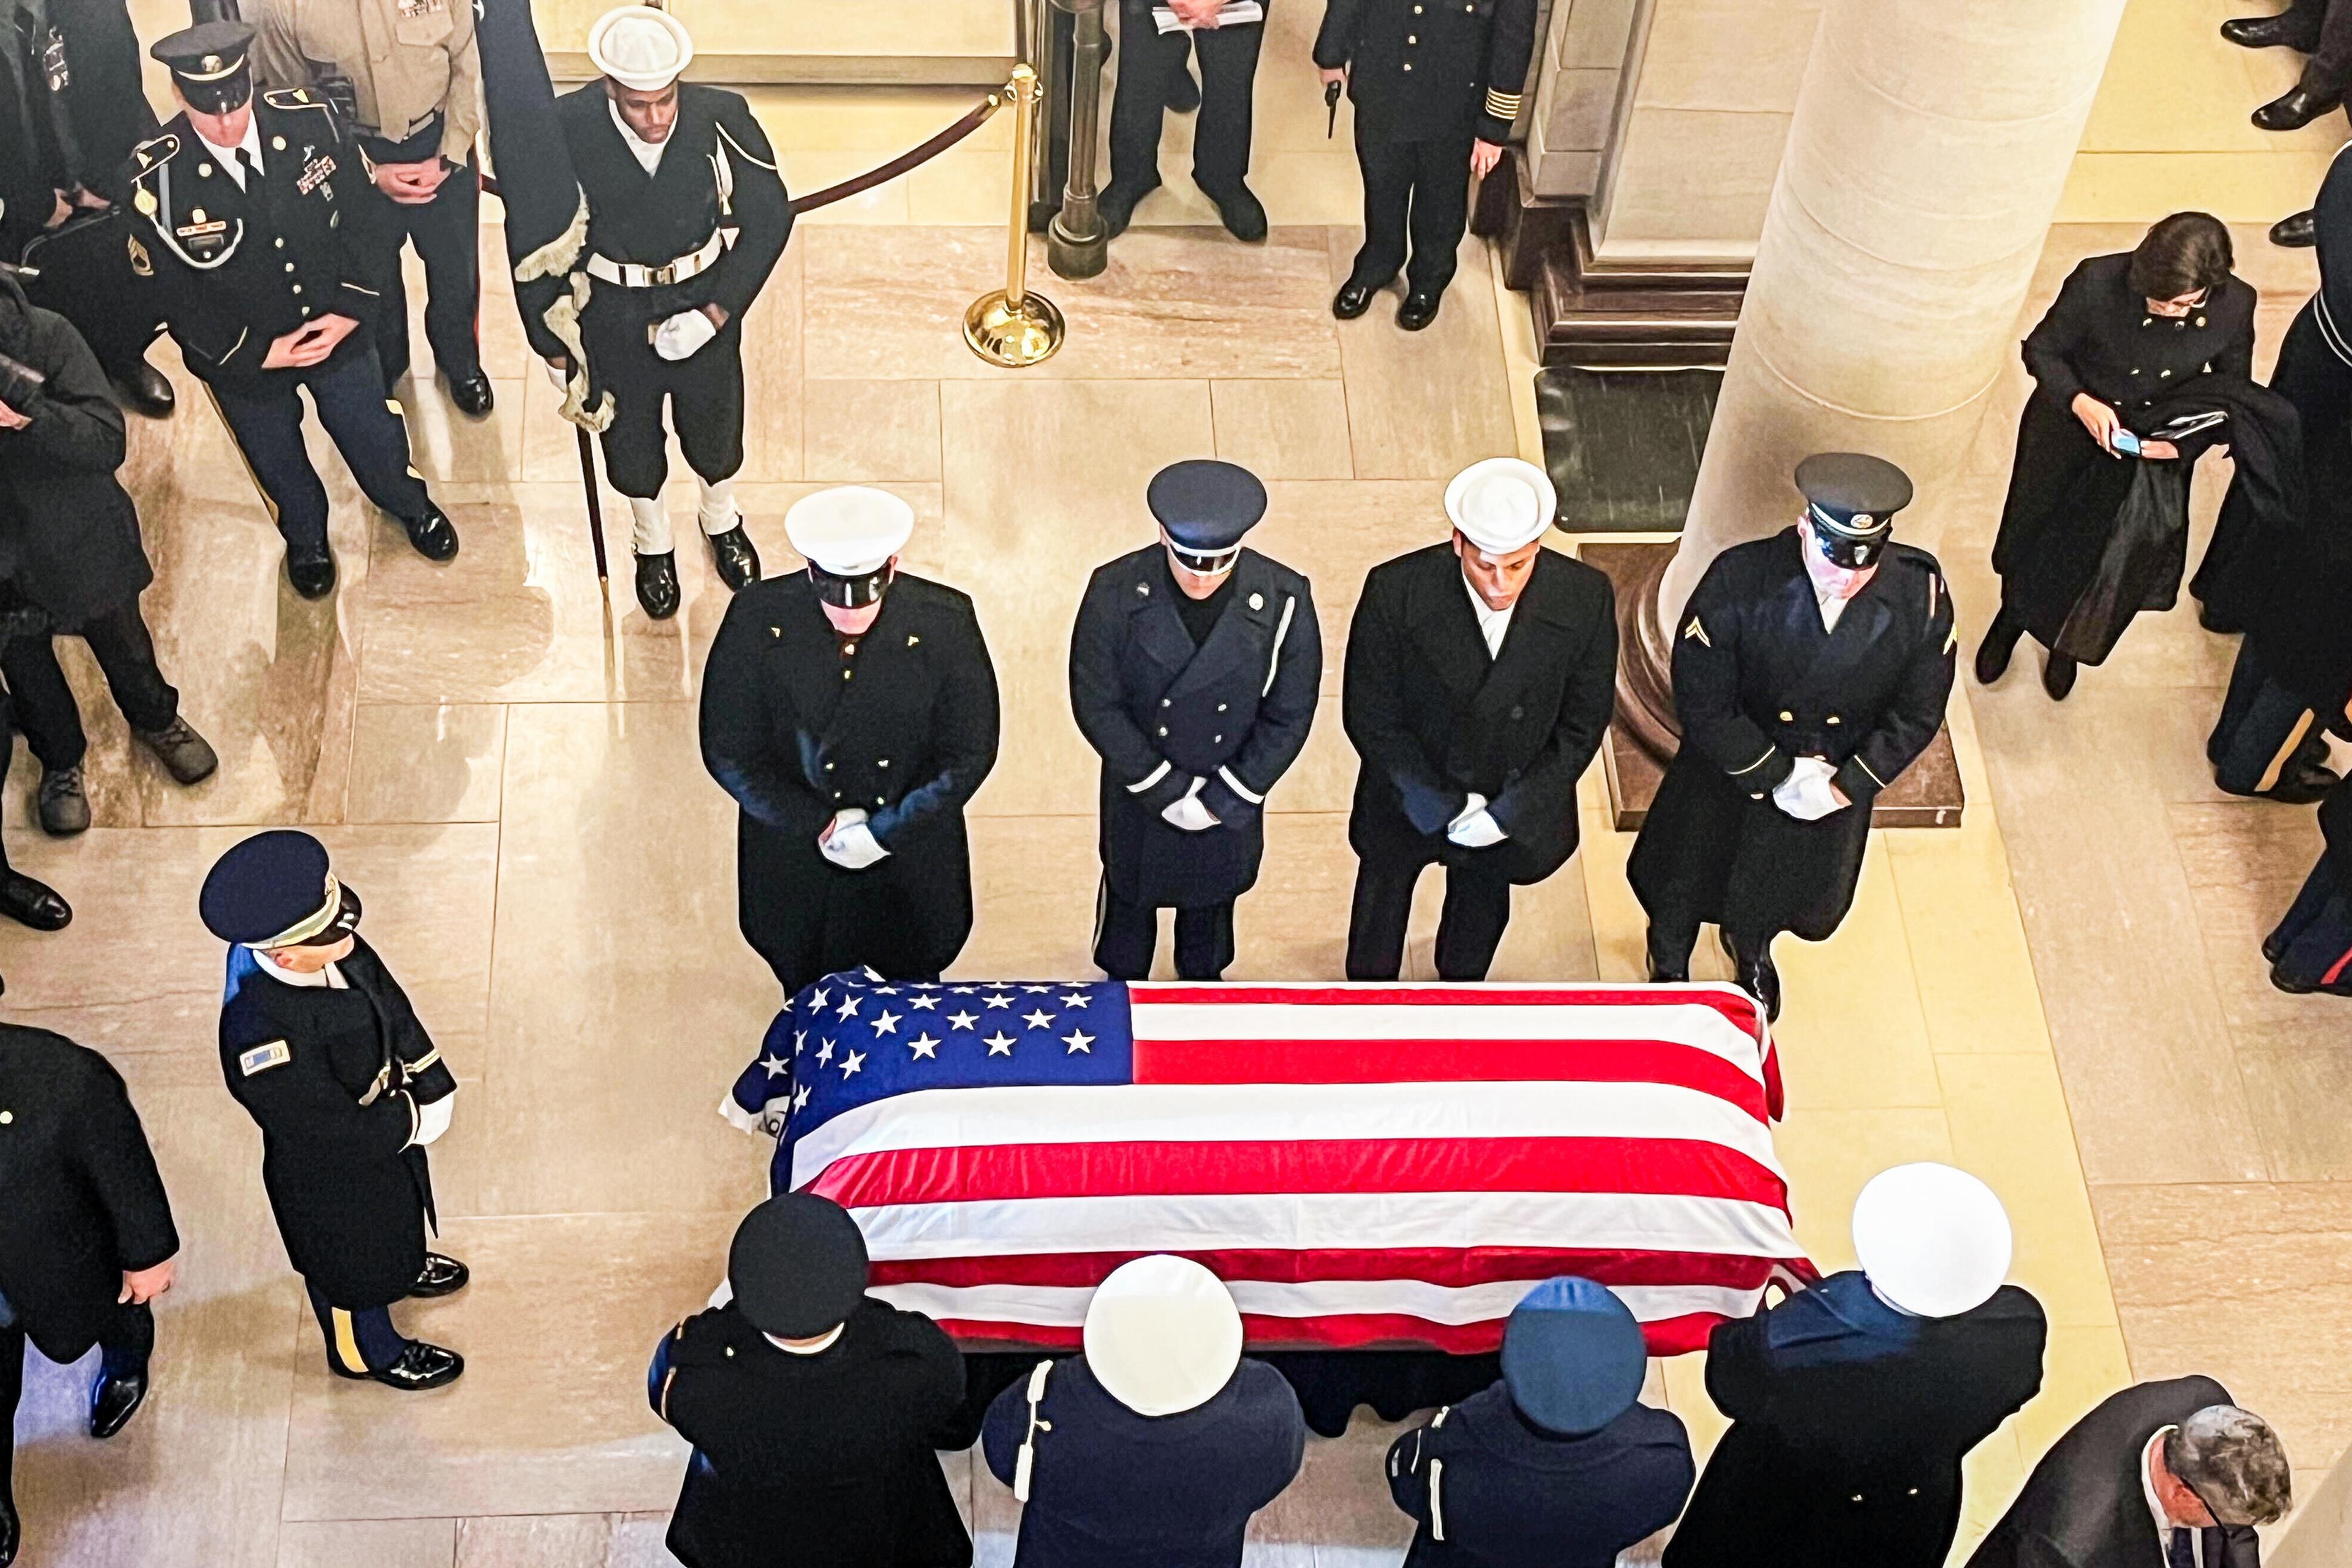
(1934, 1240)
(1501, 503)
(640, 47)
(1163, 1335)
(850, 530)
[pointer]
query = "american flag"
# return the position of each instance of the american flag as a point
(1364, 1166)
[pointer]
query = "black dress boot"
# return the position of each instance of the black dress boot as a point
(657, 588)
(115, 1397)
(1999, 642)
(1756, 974)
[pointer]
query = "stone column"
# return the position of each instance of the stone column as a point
(1926, 155)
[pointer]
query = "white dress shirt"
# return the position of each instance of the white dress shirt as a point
(1492, 623)
(227, 156)
(2164, 1525)
(648, 154)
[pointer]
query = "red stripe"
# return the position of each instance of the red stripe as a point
(970, 1173)
(1666, 1336)
(1450, 1267)
(1734, 1004)
(1446, 1061)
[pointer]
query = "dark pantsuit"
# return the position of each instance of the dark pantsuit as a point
(2313, 942)
(358, 1340)
(445, 232)
(45, 706)
(1148, 63)
(2329, 25)
(1477, 908)
(2263, 730)
(126, 1341)
(1127, 935)
(1416, 191)
(704, 391)
(367, 428)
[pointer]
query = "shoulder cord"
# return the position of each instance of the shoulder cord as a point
(1024, 1466)
(1436, 1483)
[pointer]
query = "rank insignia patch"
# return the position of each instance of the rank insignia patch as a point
(1695, 630)
(261, 1058)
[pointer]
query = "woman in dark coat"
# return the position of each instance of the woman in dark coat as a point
(2126, 333)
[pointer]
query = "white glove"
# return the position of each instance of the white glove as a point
(1188, 814)
(556, 373)
(432, 1120)
(1805, 793)
(851, 845)
(682, 335)
(1475, 828)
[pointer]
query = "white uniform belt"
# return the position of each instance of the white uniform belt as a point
(629, 274)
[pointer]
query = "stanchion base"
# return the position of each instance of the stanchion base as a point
(1011, 336)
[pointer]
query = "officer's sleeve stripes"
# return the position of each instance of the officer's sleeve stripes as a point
(1240, 788)
(1757, 764)
(1503, 106)
(1153, 777)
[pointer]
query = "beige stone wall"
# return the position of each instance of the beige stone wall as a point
(1578, 84)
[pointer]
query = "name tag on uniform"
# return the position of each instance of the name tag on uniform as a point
(261, 1058)
(314, 172)
(197, 230)
(411, 9)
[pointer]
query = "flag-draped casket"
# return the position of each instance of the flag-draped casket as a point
(1365, 1165)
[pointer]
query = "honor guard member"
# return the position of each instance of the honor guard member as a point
(851, 711)
(813, 1408)
(1810, 668)
(686, 216)
(1557, 1465)
(1157, 1443)
(86, 1233)
(1853, 1404)
(320, 1046)
(405, 77)
(242, 223)
(1194, 669)
(1437, 85)
(1481, 676)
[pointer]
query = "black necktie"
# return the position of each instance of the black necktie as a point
(2180, 1551)
(252, 173)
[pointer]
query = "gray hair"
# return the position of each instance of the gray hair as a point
(2232, 1459)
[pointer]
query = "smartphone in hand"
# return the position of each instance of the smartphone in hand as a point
(2126, 442)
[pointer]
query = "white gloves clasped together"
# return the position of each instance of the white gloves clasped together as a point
(849, 843)
(1805, 794)
(682, 335)
(1188, 814)
(1475, 828)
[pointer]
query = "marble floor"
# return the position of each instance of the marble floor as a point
(2059, 994)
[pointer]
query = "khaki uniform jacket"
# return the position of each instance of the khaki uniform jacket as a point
(407, 60)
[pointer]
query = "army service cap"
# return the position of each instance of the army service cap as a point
(1852, 495)
(209, 65)
(797, 1266)
(276, 889)
(1204, 507)
(1574, 1357)
(642, 49)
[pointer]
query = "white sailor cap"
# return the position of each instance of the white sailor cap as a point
(640, 47)
(1163, 1335)
(1934, 1241)
(1501, 504)
(849, 531)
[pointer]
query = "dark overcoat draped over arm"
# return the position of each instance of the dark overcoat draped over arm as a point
(1436, 719)
(905, 730)
(1849, 1423)
(1234, 712)
(80, 1201)
(1759, 682)
(334, 1079)
(821, 1461)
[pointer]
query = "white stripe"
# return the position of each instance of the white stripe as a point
(1277, 1112)
(1242, 790)
(1273, 661)
(1153, 777)
(1697, 1025)
(1602, 1222)
(1064, 1306)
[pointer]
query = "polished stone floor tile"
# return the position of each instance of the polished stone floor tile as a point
(426, 762)
(545, 1540)
(1831, 1154)
(860, 431)
(1851, 1031)
(1424, 405)
(1969, 952)
(369, 1543)
(1284, 430)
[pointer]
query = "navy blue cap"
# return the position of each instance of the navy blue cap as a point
(1206, 506)
(1572, 1356)
(797, 1266)
(268, 889)
(1852, 493)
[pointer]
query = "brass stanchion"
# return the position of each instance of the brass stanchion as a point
(1012, 327)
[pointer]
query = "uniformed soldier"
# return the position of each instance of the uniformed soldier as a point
(1853, 1404)
(242, 224)
(813, 1407)
(319, 1045)
(1157, 1443)
(86, 1233)
(1436, 84)
(686, 217)
(406, 79)
(1559, 1465)
(1809, 669)
(1150, 67)
(1194, 669)
(1481, 676)
(851, 711)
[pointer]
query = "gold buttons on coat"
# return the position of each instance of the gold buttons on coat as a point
(1163, 729)
(1787, 717)
(1835, 719)
(6, 1117)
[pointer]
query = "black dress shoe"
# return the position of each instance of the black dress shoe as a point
(143, 389)
(658, 584)
(1116, 205)
(2279, 978)
(421, 1366)
(187, 756)
(1241, 212)
(11, 1532)
(435, 538)
(2294, 109)
(736, 557)
(2304, 785)
(1758, 976)
(440, 1277)
(470, 391)
(114, 1399)
(1664, 968)
(2299, 232)
(313, 576)
(59, 804)
(2287, 30)
(2058, 674)
(1184, 94)
(1417, 311)
(34, 904)
(1993, 653)
(1354, 298)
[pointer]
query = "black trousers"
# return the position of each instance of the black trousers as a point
(2313, 940)
(2328, 23)
(2264, 731)
(45, 706)
(1127, 934)
(358, 1340)
(1148, 63)
(127, 1341)
(1417, 192)
(445, 231)
(1477, 908)
(367, 429)
(704, 394)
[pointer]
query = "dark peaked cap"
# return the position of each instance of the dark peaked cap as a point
(798, 1266)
